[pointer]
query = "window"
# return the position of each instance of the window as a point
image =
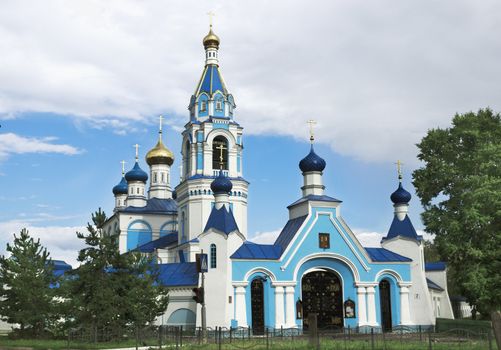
(219, 153)
(137, 190)
(162, 175)
(324, 240)
(155, 177)
(203, 106)
(219, 105)
(131, 190)
(213, 260)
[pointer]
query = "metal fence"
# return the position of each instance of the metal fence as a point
(178, 337)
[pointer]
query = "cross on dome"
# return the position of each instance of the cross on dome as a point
(399, 170)
(311, 122)
(136, 146)
(123, 167)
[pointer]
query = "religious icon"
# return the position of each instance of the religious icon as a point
(299, 309)
(349, 309)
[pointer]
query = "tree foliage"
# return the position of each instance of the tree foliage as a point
(112, 291)
(26, 296)
(460, 189)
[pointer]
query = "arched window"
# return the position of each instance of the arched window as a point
(219, 148)
(183, 225)
(213, 259)
(187, 162)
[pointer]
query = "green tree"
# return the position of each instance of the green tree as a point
(110, 291)
(26, 296)
(460, 189)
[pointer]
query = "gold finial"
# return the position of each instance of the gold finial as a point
(123, 167)
(211, 15)
(221, 158)
(161, 118)
(136, 146)
(311, 122)
(399, 170)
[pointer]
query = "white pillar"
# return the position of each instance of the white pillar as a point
(279, 306)
(405, 315)
(362, 309)
(240, 307)
(371, 306)
(290, 307)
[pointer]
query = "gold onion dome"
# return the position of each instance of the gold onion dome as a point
(159, 155)
(211, 40)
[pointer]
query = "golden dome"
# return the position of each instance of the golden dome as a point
(159, 155)
(211, 40)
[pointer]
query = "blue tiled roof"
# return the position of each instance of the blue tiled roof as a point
(60, 267)
(222, 220)
(288, 232)
(435, 266)
(402, 228)
(159, 243)
(433, 285)
(211, 81)
(154, 206)
(312, 197)
(250, 250)
(385, 255)
(178, 274)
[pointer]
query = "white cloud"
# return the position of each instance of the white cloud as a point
(11, 143)
(373, 239)
(376, 75)
(267, 237)
(61, 241)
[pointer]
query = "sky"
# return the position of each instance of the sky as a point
(82, 81)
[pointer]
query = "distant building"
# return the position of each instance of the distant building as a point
(316, 264)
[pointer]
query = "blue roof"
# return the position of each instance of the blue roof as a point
(178, 274)
(136, 174)
(159, 243)
(385, 255)
(221, 184)
(433, 285)
(400, 196)
(222, 220)
(289, 231)
(154, 206)
(435, 266)
(250, 250)
(402, 228)
(313, 197)
(312, 162)
(211, 81)
(60, 267)
(121, 188)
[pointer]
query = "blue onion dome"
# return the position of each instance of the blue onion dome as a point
(136, 174)
(400, 196)
(312, 162)
(121, 188)
(221, 184)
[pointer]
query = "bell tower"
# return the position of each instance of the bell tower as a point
(212, 141)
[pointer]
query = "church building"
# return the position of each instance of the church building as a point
(316, 265)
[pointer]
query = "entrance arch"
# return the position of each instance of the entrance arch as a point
(257, 306)
(322, 293)
(385, 305)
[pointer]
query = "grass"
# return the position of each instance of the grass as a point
(259, 344)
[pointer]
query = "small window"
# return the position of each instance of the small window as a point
(213, 260)
(155, 177)
(203, 106)
(137, 190)
(219, 105)
(324, 240)
(131, 190)
(162, 175)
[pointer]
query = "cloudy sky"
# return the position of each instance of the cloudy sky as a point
(82, 81)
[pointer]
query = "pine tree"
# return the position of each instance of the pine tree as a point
(26, 296)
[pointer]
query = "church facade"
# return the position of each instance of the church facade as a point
(316, 265)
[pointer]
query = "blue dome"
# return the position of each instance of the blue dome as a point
(136, 174)
(121, 188)
(400, 196)
(221, 184)
(312, 162)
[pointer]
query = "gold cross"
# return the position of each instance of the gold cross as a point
(137, 151)
(399, 169)
(311, 122)
(210, 14)
(161, 119)
(123, 167)
(221, 148)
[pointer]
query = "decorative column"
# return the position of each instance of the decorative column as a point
(362, 309)
(279, 306)
(405, 315)
(290, 307)
(371, 307)
(240, 306)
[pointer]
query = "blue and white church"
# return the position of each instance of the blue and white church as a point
(316, 265)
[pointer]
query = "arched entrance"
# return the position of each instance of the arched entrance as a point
(257, 304)
(322, 293)
(385, 305)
